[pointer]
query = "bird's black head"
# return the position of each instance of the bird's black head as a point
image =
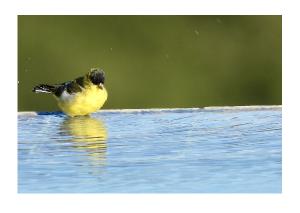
(96, 75)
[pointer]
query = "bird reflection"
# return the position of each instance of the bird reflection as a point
(87, 134)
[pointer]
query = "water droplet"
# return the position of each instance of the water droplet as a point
(219, 20)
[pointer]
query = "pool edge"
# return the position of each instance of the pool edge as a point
(209, 108)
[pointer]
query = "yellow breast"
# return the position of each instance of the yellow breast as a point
(87, 101)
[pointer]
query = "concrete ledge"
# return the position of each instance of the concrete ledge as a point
(27, 113)
(254, 107)
(211, 108)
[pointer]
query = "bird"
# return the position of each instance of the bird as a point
(79, 97)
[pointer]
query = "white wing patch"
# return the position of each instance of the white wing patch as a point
(66, 97)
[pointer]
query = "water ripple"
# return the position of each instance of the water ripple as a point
(161, 151)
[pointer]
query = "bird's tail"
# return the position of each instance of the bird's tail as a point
(44, 88)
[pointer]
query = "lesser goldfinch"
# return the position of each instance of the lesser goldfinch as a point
(82, 96)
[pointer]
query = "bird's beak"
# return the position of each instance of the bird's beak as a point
(101, 86)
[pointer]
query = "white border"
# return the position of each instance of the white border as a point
(154, 7)
(286, 202)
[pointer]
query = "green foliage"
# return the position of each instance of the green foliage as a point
(154, 61)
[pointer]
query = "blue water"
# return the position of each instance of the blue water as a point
(184, 151)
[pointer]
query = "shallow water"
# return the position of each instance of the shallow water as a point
(183, 151)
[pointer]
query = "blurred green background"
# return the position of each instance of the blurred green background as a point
(154, 61)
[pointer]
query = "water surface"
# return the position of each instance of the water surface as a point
(172, 151)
